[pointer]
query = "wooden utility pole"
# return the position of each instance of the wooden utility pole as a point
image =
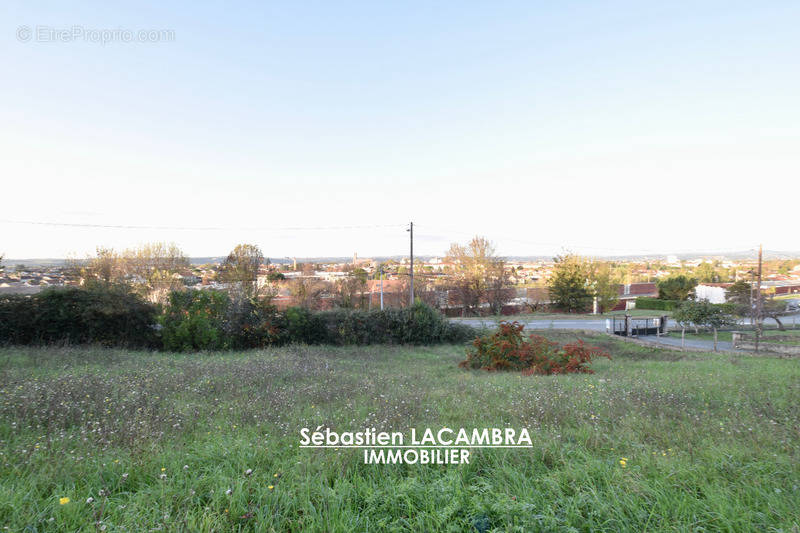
(411, 235)
(759, 299)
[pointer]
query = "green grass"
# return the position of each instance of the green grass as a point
(728, 336)
(711, 442)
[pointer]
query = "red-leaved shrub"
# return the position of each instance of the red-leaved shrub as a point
(509, 349)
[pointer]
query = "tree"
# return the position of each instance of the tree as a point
(306, 292)
(348, 292)
(569, 285)
(739, 295)
(676, 287)
(774, 309)
(275, 276)
(154, 267)
(474, 269)
(107, 266)
(704, 314)
(498, 286)
(240, 269)
(604, 285)
(706, 273)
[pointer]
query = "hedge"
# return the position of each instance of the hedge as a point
(656, 304)
(194, 320)
(98, 314)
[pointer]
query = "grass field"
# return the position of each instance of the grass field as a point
(654, 441)
(728, 336)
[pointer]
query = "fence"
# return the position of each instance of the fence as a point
(628, 326)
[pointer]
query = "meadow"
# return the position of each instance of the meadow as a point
(115, 440)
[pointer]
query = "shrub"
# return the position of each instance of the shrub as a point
(195, 320)
(306, 327)
(99, 313)
(656, 304)
(208, 320)
(509, 349)
(418, 324)
(253, 323)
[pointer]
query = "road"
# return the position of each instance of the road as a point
(592, 324)
(599, 324)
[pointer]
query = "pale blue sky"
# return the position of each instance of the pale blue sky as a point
(539, 124)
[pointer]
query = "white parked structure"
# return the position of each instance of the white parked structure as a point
(715, 295)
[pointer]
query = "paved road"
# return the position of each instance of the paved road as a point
(593, 324)
(599, 324)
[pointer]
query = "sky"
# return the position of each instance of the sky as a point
(323, 128)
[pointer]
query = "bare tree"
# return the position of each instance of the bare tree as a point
(348, 292)
(498, 286)
(155, 268)
(307, 292)
(107, 266)
(240, 270)
(475, 270)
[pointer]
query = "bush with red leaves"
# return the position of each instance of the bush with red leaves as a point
(509, 349)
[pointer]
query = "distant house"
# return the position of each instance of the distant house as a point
(713, 292)
(627, 293)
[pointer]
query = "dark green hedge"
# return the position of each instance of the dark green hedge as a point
(656, 304)
(108, 315)
(207, 320)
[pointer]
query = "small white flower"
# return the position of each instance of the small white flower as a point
(163, 476)
(248, 471)
(89, 499)
(228, 492)
(101, 492)
(186, 467)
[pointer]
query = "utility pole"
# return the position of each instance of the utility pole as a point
(759, 299)
(411, 235)
(381, 287)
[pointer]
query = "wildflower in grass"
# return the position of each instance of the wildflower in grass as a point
(163, 469)
(275, 475)
(63, 501)
(271, 487)
(186, 467)
(101, 492)
(229, 492)
(163, 476)
(248, 471)
(124, 476)
(89, 499)
(623, 462)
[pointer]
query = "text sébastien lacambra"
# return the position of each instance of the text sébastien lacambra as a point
(441, 446)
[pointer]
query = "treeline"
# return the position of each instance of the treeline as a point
(475, 278)
(114, 315)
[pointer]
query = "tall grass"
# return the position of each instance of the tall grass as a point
(710, 442)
